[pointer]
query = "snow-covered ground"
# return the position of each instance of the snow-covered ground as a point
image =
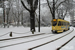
(56, 44)
(21, 31)
(24, 44)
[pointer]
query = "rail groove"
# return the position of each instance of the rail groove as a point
(50, 41)
(65, 43)
(26, 41)
(20, 37)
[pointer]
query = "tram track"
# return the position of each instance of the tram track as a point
(27, 41)
(50, 41)
(65, 43)
(37, 39)
(23, 37)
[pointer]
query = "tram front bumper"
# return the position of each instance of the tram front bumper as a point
(54, 31)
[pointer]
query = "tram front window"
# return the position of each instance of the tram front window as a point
(54, 23)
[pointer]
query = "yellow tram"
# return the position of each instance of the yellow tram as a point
(59, 25)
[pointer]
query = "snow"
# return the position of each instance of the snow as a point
(24, 43)
(21, 31)
(56, 44)
(70, 45)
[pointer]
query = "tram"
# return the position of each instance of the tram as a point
(59, 25)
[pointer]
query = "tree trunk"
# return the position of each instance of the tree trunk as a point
(4, 14)
(39, 18)
(53, 15)
(22, 18)
(18, 19)
(32, 21)
(8, 20)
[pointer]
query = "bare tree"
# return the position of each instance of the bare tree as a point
(7, 11)
(54, 7)
(62, 12)
(33, 6)
(67, 7)
(17, 11)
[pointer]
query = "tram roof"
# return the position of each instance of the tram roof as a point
(59, 20)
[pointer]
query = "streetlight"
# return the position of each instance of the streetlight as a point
(39, 17)
(3, 13)
(53, 9)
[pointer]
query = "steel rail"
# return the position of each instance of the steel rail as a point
(23, 37)
(65, 43)
(50, 41)
(26, 41)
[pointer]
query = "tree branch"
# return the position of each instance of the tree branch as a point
(65, 14)
(60, 4)
(35, 4)
(24, 6)
(50, 7)
(56, 2)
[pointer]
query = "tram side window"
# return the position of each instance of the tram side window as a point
(59, 24)
(67, 23)
(62, 23)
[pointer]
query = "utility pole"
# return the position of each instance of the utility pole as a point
(3, 14)
(39, 17)
(53, 9)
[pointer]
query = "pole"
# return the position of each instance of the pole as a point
(39, 18)
(53, 9)
(4, 14)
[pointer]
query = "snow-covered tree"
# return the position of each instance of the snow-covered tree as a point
(53, 6)
(33, 6)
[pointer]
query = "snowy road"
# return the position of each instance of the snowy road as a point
(30, 42)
